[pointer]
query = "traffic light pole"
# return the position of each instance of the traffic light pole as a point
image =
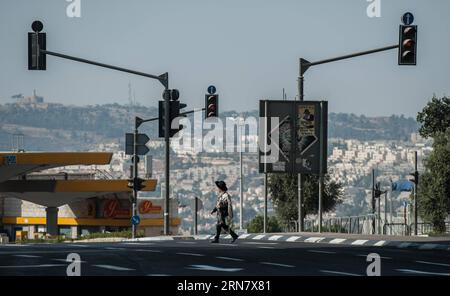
(164, 80)
(304, 66)
(135, 175)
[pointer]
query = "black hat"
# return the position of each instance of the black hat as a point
(222, 186)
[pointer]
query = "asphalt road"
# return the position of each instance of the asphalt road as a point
(198, 257)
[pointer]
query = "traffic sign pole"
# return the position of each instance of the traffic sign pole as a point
(167, 161)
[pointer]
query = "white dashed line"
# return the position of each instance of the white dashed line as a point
(314, 239)
(433, 263)
(340, 272)
(259, 243)
(428, 246)
(365, 256)
(293, 238)
(321, 252)
(147, 250)
(277, 264)
(27, 256)
(65, 260)
(244, 235)
(359, 242)
(229, 258)
(266, 247)
(191, 254)
(112, 267)
(275, 237)
(337, 241)
(412, 271)
(259, 236)
(380, 243)
(33, 266)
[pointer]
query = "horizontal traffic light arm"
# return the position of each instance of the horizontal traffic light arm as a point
(304, 64)
(182, 113)
(163, 78)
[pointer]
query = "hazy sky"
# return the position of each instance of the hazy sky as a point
(248, 49)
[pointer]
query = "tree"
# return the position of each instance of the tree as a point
(434, 186)
(284, 191)
(435, 117)
(256, 225)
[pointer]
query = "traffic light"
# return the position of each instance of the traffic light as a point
(407, 54)
(211, 105)
(36, 43)
(136, 184)
(172, 95)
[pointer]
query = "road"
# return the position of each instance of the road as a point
(199, 257)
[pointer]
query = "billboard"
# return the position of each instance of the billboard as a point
(301, 142)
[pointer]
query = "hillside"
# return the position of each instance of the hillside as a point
(60, 127)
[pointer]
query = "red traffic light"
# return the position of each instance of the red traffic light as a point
(212, 105)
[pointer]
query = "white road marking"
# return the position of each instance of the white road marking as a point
(337, 241)
(259, 236)
(229, 258)
(138, 244)
(33, 266)
(404, 245)
(259, 243)
(245, 235)
(213, 268)
(191, 254)
(27, 256)
(428, 246)
(293, 238)
(275, 237)
(422, 272)
(433, 263)
(314, 239)
(340, 272)
(380, 243)
(147, 250)
(365, 256)
(228, 236)
(321, 252)
(65, 260)
(266, 247)
(112, 267)
(277, 264)
(80, 246)
(359, 242)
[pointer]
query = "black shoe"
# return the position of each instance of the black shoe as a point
(216, 241)
(234, 239)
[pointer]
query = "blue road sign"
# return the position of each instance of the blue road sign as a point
(10, 159)
(408, 18)
(135, 220)
(211, 89)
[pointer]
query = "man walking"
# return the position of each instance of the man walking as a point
(224, 210)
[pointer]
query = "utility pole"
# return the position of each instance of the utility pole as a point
(373, 200)
(241, 201)
(416, 183)
(167, 159)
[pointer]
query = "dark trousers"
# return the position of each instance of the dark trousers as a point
(221, 223)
